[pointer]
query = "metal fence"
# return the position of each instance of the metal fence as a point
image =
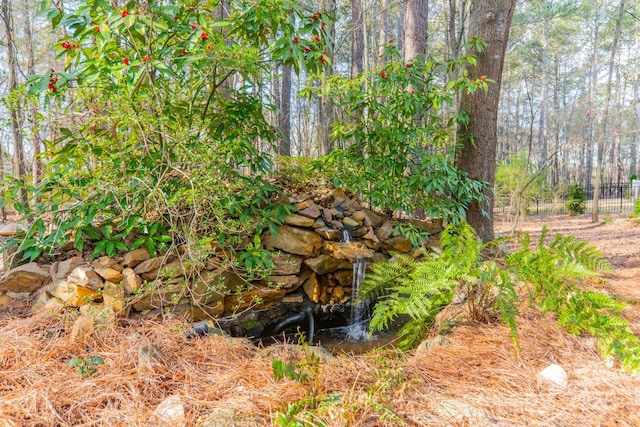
(613, 199)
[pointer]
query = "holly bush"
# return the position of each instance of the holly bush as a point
(165, 132)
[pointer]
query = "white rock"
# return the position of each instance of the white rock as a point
(170, 412)
(554, 374)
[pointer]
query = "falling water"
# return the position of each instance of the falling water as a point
(357, 329)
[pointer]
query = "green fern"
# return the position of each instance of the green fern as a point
(419, 290)
(552, 273)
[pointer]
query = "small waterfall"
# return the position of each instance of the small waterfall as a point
(357, 329)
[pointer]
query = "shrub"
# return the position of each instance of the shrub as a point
(576, 203)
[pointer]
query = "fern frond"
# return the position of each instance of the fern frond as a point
(384, 276)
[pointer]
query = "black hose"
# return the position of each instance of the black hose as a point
(296, 318)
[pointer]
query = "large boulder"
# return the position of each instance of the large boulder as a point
(72, 293)
(294, 240)
(324, 264)
(25, 278)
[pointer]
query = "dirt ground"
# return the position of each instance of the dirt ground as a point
(615, 235)
(474, 379)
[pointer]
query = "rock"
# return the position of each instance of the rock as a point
(338, 201)
(397, 244)
(170, 412)
(275, 351)
(305, 202)
(339, 193)
(25, 278)
(319, 223)
(328, 215)
(350, 206)
(131, 281)
(348, 250)
(350, 222)
(256, 298)
(372, 219)
(385, 231)
(72, 293)
(209, 311)
(54, 305)
(105, 261)
(310, 212)
(294, 240)
(224, 417)
(329, 233)
(5, 300)
(336, 213)
(60, 270)
(359, 232)
(336, 224)
(293, 298)
(11, 229)
(359, 216)
(344, 277)
(135, 258)
(86, 277)
(150, 269)
(372, 245)
(554, 374)
(212, 285)
(311, 287)
(113, 295)
(82, 327)
(324, 264)
(429, 345)
(20, 296)
(338, 296)
(455, 411)
(285, 264)
(299, 220)
(107, 273)
(281, 282)
(161, 297)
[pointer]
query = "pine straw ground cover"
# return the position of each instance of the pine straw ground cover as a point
(477, 366)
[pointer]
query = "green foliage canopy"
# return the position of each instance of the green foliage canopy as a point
(165, 128)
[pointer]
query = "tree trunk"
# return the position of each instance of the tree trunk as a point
(326, 110)
(605, 118)
(12, 84)
(489, 20)
(382, 40)
(284, 146)
(402, 12)
(36, 141)
(542, 131)
(357, 37)
(455, 31)
(415, 29)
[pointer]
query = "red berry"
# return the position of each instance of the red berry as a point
(97, 29)
(126, 61)
(124, 13)
(204, 36)
(296, 40)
